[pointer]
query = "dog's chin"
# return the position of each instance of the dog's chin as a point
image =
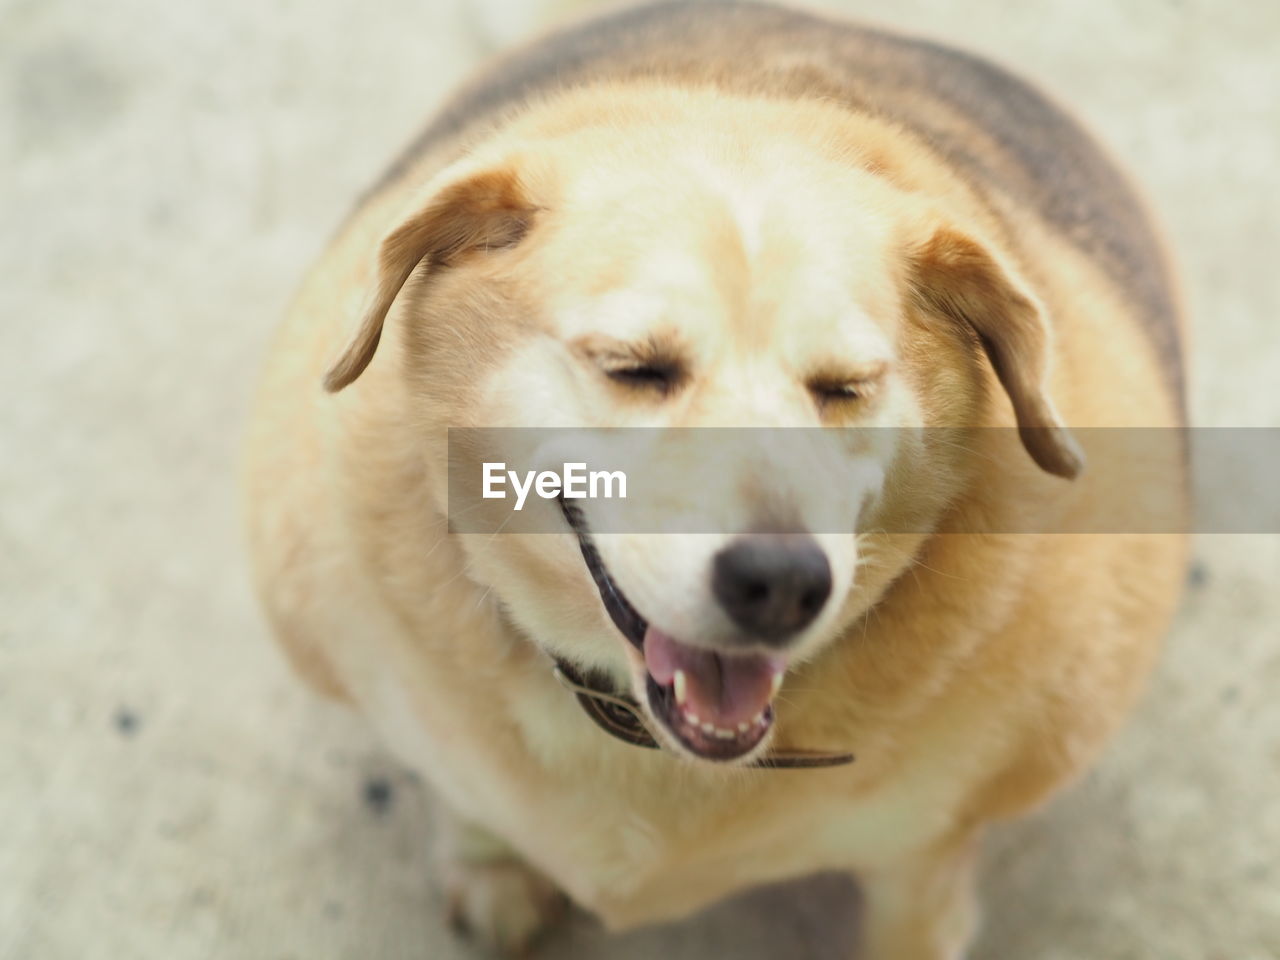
(703, 704)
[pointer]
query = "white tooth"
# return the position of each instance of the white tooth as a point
(777, 685)
(708, 727)
(744, 727)
(692, 717)
(681, 685)
(725, 734)
(759, 718)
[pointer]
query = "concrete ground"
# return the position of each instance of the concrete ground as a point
(168, 791)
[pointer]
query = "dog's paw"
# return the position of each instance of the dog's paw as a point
(504, 904)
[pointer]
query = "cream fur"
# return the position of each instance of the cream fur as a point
(970, 675)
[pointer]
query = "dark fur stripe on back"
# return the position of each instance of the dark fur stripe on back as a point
(1035, 153)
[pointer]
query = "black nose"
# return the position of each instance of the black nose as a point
(772, 585)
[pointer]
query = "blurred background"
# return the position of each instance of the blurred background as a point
(167, 171)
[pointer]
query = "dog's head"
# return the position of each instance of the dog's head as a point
(680, 265)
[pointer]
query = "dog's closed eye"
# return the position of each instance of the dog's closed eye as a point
(831, 390)
(652, 365)
(659, 375)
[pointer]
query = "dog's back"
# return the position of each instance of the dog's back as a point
(1017, 148)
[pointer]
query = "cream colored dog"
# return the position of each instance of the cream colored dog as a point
(713, 215)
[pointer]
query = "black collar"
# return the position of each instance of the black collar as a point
(620, 716)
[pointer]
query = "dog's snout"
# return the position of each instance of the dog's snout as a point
(771, 586)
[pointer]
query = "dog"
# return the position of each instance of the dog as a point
(686, 216)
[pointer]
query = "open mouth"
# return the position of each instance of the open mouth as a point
(717, 705)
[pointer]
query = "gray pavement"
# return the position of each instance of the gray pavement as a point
(167, 170)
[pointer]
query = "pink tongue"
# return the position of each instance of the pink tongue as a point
(724, 690)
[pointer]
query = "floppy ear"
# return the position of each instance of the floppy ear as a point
(479, 211)
(954, 275)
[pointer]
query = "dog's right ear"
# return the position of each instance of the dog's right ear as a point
(467, 214)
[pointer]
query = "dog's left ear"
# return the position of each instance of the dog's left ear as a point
(469, 213)
(954, 275)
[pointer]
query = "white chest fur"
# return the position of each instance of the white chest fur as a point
(637, 835)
